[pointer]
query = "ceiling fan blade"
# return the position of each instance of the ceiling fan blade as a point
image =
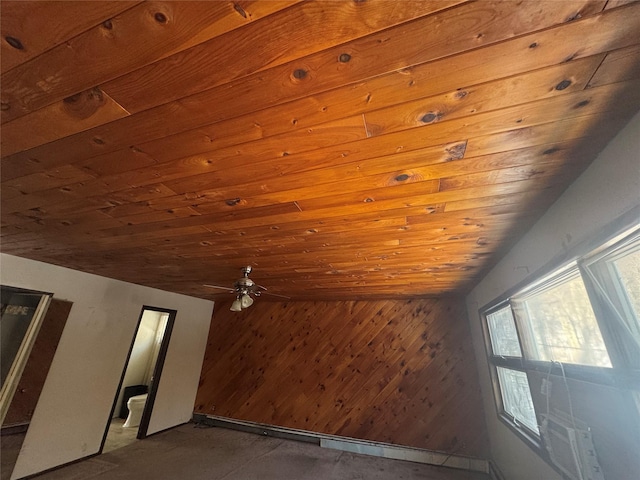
(222, 288)
(275, 295)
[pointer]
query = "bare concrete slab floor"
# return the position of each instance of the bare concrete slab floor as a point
(196, 453)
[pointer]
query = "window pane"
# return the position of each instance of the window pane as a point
(628, 268)
(516, 397)
(502, 331)
(562, 326)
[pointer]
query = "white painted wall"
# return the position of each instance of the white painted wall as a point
(609, 188)
(73, 410)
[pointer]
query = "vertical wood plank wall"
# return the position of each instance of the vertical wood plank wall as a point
(396, 371)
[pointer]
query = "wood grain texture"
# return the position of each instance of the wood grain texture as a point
(400, 372)
(33, 29)
(346, 150)
(615, 30)
(37, 367)
(157, 28)
(74, 114)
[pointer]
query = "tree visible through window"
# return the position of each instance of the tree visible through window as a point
(558, 321)
(561, 324)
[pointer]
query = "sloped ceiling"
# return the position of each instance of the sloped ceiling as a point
(344, 149)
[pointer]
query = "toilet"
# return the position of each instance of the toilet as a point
(136, 407)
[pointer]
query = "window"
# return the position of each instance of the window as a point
(558, 323)
(504, 337)
(614, 278)
(583, 318)
(516, 397)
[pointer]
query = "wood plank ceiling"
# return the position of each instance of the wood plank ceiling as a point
(345, 149)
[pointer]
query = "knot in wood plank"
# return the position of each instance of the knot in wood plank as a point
(14, 42)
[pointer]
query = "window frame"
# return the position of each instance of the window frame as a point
(622, 374)
(559, 277)
(514, 363)
(597, 266)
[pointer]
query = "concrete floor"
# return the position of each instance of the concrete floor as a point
(199, 453)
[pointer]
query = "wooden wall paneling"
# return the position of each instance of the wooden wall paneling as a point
(428, 351)
(309, 335)
(343, 375)
(401, 346)
(349, 368)
(329, 358)
(30, 25)
(155, 29)
(613, 30)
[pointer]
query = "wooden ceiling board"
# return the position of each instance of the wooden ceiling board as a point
(569, 42)
(351, 150)
(526, 53)
(142, 35)
(33, 32)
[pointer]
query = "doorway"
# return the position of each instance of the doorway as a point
(136, 393)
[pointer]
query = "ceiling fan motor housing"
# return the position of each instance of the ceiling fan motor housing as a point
(244, 285)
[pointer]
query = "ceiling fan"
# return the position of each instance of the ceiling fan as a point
(245, 289)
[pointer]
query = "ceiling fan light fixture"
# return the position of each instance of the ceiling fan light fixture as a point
(236, 306)
(245, 290)
(246, 301)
